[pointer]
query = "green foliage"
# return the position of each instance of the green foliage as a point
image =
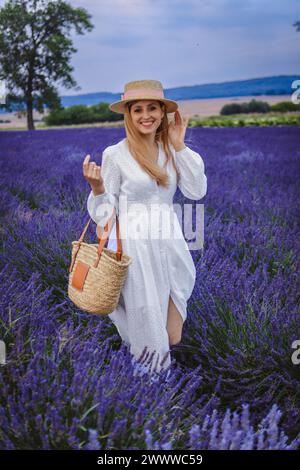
(82, 114)
(246, 120)
(35, 51)
(254, 106)
(285, 106)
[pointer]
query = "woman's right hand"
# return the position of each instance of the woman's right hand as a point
(92, 174)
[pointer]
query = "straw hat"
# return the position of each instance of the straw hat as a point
(143, 90)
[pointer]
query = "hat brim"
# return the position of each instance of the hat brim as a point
(119, 106)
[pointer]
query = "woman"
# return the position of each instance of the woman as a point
(141, 172)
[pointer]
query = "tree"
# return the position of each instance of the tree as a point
(35, 51)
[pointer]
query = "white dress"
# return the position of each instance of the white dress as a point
(162, 265)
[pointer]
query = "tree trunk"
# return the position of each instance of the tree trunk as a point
(30, 124)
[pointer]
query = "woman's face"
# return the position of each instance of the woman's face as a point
(146, 115)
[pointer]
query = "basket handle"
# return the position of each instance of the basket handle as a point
(102, 240)
(105, 235)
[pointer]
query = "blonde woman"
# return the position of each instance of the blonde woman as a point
(138, 178)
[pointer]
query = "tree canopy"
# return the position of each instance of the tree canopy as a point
(35, 51)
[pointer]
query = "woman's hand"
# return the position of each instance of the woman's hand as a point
(92, 174)
(177, 130)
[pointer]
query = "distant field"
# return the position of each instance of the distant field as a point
(192, 108)
(210, 107)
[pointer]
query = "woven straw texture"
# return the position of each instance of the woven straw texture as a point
(155, 84)
(102, 287)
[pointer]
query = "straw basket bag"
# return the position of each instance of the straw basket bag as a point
(96, 273)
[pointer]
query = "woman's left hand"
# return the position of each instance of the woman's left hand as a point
(177, 130)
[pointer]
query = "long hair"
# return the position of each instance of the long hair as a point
(139, 148)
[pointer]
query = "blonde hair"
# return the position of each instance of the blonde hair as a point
(138, 146)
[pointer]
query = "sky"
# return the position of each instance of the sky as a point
(184, 42)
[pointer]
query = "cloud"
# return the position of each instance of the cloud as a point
(184, 42)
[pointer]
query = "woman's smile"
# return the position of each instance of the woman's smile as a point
(147, 124)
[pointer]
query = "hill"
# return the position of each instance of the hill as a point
(271, 86)
(280, 85)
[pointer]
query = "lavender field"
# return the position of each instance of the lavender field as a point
(68, 382)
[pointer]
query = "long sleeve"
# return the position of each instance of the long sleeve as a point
(193, 181)
(100, 207)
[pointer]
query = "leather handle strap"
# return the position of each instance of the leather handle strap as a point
(105, 236)
(102, 240)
